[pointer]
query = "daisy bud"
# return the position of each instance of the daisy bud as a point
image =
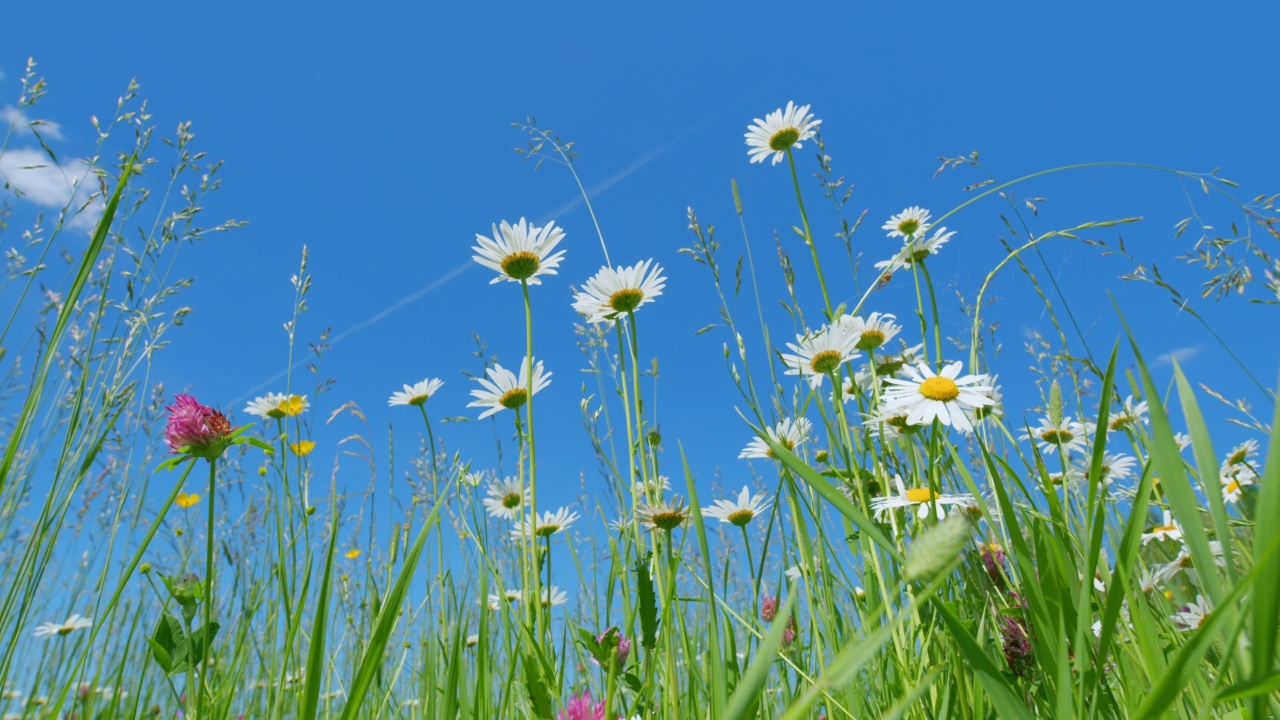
(934, 551)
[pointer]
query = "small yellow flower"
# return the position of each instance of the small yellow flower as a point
(352, 554)
(185, 501)
(293, 405)
(302, 448)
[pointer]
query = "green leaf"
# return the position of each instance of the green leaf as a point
(745, 697)
(173, 462)
(1258, 687)
(648, 604)
(201, 638)
(164, 643)
(319, 626)
(1266, 596)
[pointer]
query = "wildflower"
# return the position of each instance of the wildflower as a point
(581, 707)
(908, 224)
(185, 501)
(666, 515)
(741, 512)
(352, 554)
(277, 405)
(1183, 440)
(549, 524)
(1017, 646)
(924, 497)
(884, 366)
(553, 596)
(1132, 413)
(611, 293)
(1190, 617)
(1237, 471)
(914, 252)
(873, 332)
(1068, 434)
(472, 640)
(1115, 467)
(196, 430)
(779, 131)
(520, 252)
(788, 433)
(769, 608)
(506, 498)
(617, 643)
(820, 353)
(993, 561)
(1170, 530)
(503, 391)
(995, 409)
(415, 394)
(302, 448)
(653, 486)
(927, 396)
(73, 623)
(859, 593)
(508, 596)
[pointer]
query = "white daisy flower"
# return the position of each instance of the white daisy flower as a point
(1183, 440)
(885, 366)
(73, 623)
(547, 525)
(1182, 562)
(416, 394)
(1068, 434)
(912, 222)
(1191, 616)
(276, 405)
(1116, 467)
(654, 486)
(503, 391)
(995, 409)
(553, 596)
(1132, 413)
(739, 513)
(889, 426)
(926, 500)
(505, 498)
(510, 596)
(794, 573)
(1237, 471)
(914, 252)
(820, 353)
(1168, 530)
(612, 293)
(473, 640)
(927, 396)
(666, 515)
(778, 131)
(520, 252)
(873, 332)
(788, 433)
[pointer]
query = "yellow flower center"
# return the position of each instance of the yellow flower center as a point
(511, 501)
(1237, 457)
(784, 138)
(870, 340)
(909, 226)
(626, 300)
(668, 519)
(940, 388)
(419, 399)
(514, 398)
(741, 517)
(921, 495)
(1165, 529)
(825, 362)
(521, 265)
(1057, 436)
(546, 530)
(1120, 422)
(1233, 486)
(65, 630)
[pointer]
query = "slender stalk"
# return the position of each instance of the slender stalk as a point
(808, 234)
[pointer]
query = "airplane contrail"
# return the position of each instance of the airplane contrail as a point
(556, 213)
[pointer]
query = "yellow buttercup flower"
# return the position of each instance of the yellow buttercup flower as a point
(302, 448)
(352, 554)
(185, 501)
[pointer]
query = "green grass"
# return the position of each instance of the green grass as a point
(1043, 594)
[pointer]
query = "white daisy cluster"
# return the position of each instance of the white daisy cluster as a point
(1238, 471)
(912, 225)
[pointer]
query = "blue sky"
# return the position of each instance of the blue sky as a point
(381, 138)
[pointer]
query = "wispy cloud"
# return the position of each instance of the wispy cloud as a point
(1181, 355)
(41, 181)
(556, 213)
(18, 121)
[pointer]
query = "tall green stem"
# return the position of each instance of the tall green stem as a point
(808, 234)
(209, 596)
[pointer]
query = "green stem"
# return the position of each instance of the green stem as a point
(209, 596)
(808, 234)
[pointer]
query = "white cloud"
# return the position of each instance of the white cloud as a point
(1181, 355)
(17, 120)
(39, 180)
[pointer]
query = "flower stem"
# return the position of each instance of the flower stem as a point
(207, 640)
(808, 234)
